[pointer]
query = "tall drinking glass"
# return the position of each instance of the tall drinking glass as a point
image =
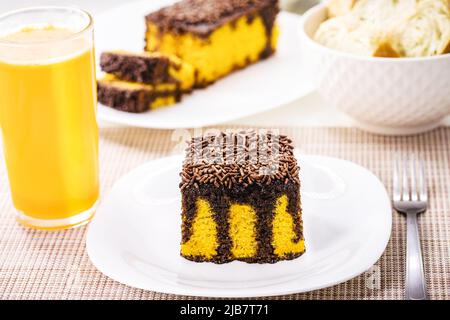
(48, 115)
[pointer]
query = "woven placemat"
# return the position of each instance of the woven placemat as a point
(55, 265)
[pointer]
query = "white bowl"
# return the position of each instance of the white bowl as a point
(382, 95)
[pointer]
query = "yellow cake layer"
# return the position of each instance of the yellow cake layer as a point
(231, 46)
(283, 235)
(242, 220)
(203, 241)
(167, 99)
(114, 81)
(161, 102)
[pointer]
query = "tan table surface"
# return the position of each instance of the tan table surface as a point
(55, 265)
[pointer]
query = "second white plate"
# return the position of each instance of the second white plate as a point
(135, 235)
(266, 85)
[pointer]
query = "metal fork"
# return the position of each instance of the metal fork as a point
(410, 197)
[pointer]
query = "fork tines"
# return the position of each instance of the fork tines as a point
(409, 179)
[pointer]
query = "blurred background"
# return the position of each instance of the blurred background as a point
(96, 6)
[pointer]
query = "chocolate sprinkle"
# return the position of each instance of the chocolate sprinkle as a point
(243, 158)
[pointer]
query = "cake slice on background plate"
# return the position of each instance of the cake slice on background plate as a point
(138, 82)
(215, 37)
(148, 68)
(135, 97)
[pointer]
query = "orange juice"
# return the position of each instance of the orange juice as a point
(48, 122)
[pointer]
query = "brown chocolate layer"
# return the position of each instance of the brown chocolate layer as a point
(242, 158)
(201, 17)
(137, 68)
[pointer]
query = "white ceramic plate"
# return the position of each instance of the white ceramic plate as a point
(266, 85)
(135, 235)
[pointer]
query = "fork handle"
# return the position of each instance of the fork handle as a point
(415, 277)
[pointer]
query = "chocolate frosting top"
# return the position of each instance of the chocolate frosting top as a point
(149, 69)
(239, 158)
(201, 16)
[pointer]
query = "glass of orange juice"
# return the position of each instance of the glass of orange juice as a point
(48, 115)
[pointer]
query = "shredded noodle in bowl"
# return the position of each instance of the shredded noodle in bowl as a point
(387, 28)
